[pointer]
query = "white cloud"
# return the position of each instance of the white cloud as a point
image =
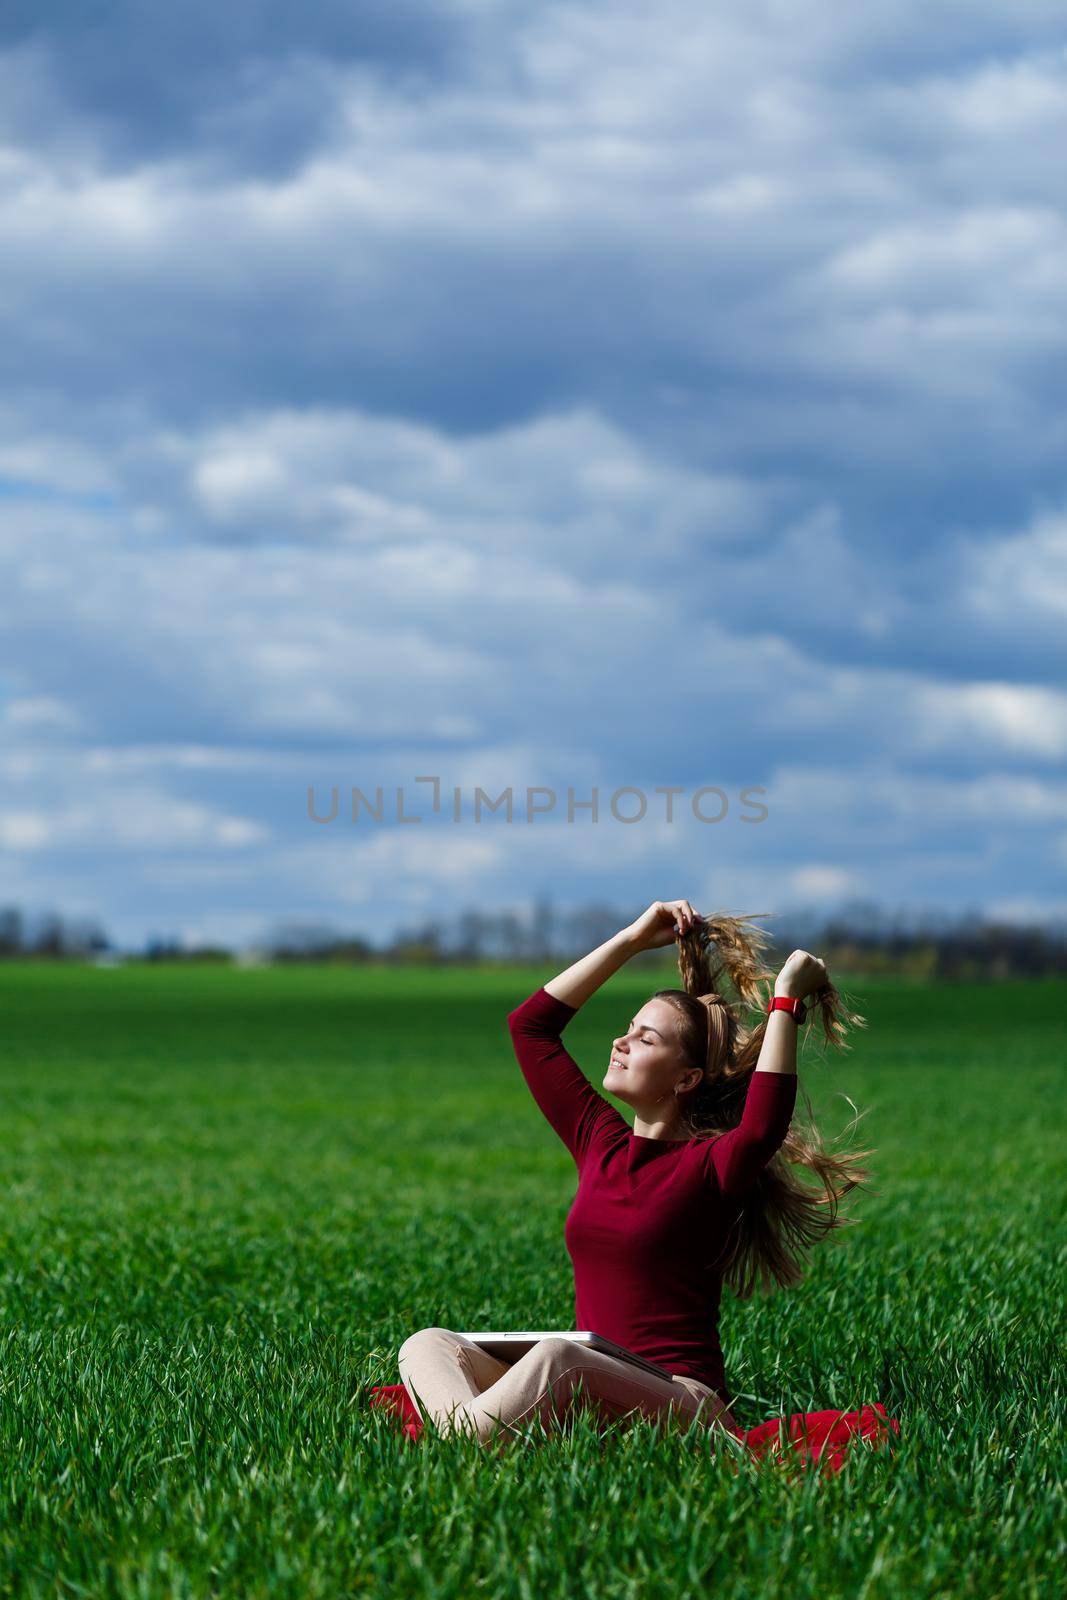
(929, 259)
(824, 882)
(27, 713)
(199, 758)
(873, 795)
(999, 100)
(56, 461)
(127, 820)
(1019, 578)
(24, 830)
(1025, 910)
(1012, 717)
(352, 475)
(238, 484)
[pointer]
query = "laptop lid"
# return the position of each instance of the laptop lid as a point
(511, 1346)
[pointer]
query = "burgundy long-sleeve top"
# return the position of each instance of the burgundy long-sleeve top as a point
(650, 1217)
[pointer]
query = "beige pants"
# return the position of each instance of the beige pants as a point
(461, 1388)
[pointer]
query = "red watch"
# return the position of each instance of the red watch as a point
(796, 1008)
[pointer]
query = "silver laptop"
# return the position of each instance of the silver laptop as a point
(510, 1347)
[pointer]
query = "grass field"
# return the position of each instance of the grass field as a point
(230, 1195)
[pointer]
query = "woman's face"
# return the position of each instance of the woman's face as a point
(645, 1065)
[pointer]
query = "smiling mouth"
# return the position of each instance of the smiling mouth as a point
(615, 1062)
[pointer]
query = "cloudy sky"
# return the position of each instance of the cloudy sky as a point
(567, 396)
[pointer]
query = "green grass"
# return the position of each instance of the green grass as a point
(229, 1196)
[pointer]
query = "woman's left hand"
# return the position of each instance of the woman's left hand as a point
(801, 976)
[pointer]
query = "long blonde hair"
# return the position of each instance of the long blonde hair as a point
(782, 1217)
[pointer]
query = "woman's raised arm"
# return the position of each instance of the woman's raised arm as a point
(663, 921)
(576, 1110)
(739, 1156)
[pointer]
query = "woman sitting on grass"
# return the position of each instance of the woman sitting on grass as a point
(697, 1193)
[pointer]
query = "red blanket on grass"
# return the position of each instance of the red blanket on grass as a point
(813, 1436)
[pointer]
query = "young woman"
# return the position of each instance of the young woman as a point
(697, 1193)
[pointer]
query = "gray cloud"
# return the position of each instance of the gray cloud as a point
(250, 87)
(602, 394)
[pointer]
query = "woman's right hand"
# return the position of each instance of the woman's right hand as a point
(663, 922)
